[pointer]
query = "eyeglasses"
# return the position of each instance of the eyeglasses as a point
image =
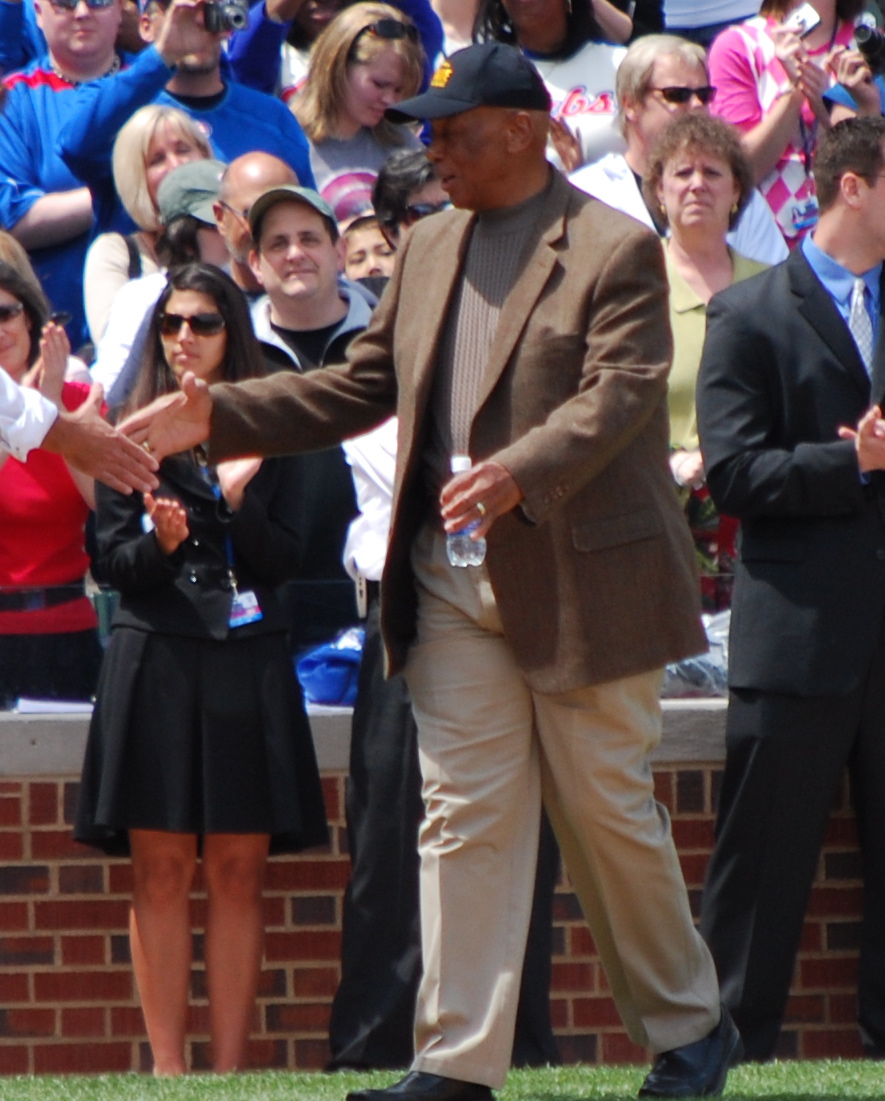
(244, 214)
(9, 311)
(200, 324)
(681, 96)
(70, 5)
(417, 211)
(390, 29)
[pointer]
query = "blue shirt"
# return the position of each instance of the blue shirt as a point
(839, 283)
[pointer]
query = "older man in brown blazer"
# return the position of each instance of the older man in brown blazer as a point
(529, 330)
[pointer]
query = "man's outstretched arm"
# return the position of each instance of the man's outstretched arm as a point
(174, 422)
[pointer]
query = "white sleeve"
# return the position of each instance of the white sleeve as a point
(25, 417)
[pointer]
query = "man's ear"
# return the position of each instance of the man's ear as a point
(255, 265)
(146, 28)
(341, 250)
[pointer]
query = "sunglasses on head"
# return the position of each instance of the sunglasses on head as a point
(676, 94)
(200, 324)
(390, 29)
(9, 311)
(69, 5)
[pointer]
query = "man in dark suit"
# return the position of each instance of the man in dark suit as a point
(793, 360)
(529, 330)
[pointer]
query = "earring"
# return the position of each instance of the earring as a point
(734, 208)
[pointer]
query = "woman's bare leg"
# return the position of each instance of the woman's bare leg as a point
(161, 940)
(233, 868)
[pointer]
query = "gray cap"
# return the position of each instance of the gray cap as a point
(290, 193)
(190, 188)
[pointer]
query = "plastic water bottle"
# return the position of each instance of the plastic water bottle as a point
(461, 548)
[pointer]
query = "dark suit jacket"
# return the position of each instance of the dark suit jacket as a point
(779, 374)
(189, 592)
(594, 574)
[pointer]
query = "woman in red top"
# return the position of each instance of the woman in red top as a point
(49, 646)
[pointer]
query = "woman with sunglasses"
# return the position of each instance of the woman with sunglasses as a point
(771, 74)
(199, 743)
(564, 40)
(154, 141)
(366, 60)
(42, 202)
(699, 180)
(49, 645)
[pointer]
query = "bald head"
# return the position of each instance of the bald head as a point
(243, 181)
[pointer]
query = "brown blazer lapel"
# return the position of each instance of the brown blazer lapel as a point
(520, 303)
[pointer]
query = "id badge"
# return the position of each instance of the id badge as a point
(245, 609)
(805, 214)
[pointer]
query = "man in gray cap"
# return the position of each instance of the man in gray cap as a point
(527, 330)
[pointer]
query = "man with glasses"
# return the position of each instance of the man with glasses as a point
(181, 67)
(526, 329)
(794, 359)
(660, 77)
(42, 203)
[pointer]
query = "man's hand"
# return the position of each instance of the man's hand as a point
(869, 440)
(90, 444)
(483, 493)
(850, 69)
(174, 422)
(182, 31)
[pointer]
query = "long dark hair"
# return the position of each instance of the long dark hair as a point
(33, 299)
(492, 23)
(242, 355)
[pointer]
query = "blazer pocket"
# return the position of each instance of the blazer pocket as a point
(612, 531)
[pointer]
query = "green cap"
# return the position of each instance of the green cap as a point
(289, 193)
(190, 188)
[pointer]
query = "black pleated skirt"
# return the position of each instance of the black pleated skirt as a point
(199, 736)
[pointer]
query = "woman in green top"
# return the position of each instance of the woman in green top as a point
(699, 179)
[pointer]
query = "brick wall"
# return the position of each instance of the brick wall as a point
(69, 998)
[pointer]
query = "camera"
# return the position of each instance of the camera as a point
(226, 15)
(871, 43)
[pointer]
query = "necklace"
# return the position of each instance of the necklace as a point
(115, 68)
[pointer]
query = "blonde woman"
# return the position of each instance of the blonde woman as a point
(153, 142)
(366, 60)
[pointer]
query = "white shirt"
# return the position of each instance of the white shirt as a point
(705, 13)
(132, 302)
(25, 417)
(611, 180)
(582, 89)
(372, 459)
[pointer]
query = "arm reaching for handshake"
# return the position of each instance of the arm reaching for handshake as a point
(91, 445)
(869, 440)
(174, 422)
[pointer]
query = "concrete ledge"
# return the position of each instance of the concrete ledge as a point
(52, 745)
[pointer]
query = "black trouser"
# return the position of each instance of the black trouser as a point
(785, 761)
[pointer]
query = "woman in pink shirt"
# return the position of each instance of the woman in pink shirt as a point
(770, 74)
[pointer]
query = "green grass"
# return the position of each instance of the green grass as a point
(819, 1081)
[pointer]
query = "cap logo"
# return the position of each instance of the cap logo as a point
(442, 76)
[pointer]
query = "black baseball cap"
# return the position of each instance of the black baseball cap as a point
(488, 75)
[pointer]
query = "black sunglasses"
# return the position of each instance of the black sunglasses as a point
(390, 29)
(681, 96)
(200, 324)
(8, 312)
(417, 211)
(69, 5)
(676, 94)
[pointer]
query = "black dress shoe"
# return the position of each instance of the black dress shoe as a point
(418, 1086)
(698, 1069)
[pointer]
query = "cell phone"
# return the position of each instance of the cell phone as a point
(61, 317)
(803, 20)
